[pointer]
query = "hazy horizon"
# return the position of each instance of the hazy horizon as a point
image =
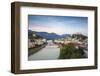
(58, 24)
(59, 34)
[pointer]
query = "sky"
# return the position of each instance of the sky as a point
(58, 24)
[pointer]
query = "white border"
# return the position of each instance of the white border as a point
(25, 64)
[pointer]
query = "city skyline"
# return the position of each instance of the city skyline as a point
(58, 24)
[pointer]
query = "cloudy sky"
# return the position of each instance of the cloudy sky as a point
(58, 24)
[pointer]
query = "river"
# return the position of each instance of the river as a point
(50, 52)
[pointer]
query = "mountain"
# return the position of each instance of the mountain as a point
(29, 31)
(48, 35)
(65, 35)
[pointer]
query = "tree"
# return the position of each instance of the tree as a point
(79, 36)
(69, 51)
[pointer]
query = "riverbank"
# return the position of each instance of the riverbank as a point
(50, 52)
(32, 51)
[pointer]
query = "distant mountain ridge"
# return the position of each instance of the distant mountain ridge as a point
(48, 36)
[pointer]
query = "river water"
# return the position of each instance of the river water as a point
(50, 52)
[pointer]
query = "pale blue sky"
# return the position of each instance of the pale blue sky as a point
(58, 24)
